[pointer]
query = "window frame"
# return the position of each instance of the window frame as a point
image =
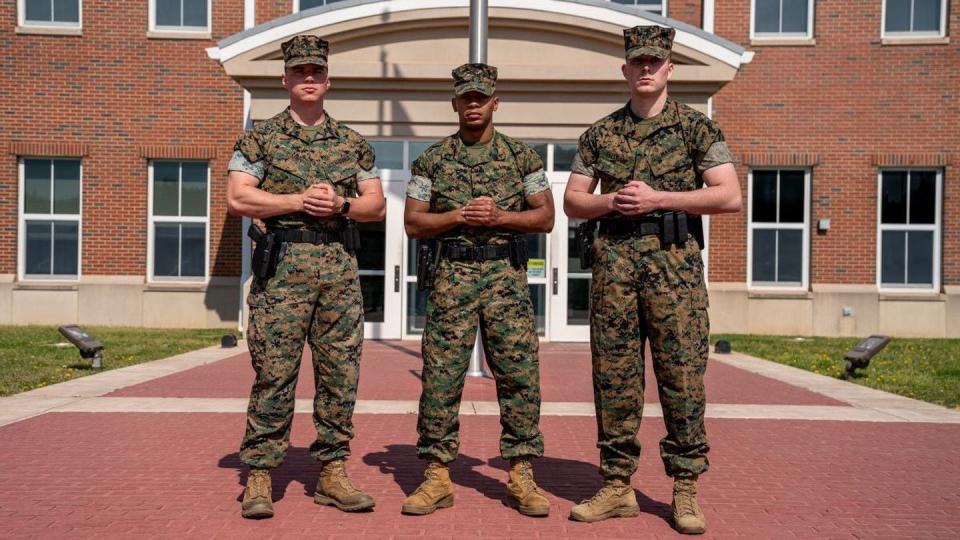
(924, 34)
(186, 30)
(22, 21)
(785, 36)
(936, 228)
(23, 217)
(153, 220)
(663, 6)
(804, 227)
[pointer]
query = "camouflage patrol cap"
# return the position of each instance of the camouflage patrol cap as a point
(648, 40)
(301, 50)
(475, 77)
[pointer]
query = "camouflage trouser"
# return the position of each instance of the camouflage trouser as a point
(496, 294)
(640, 291)
(315, 295)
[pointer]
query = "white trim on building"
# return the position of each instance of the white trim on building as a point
(607, 12)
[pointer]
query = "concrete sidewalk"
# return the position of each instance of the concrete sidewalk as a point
(151, 450)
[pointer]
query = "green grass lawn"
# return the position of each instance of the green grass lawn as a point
(926, 369)
(35, 356)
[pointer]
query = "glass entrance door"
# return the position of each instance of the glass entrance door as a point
(569, 283)
(379, 260)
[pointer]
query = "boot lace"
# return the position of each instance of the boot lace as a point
(526, 477)
(430, 475)
(685, 495)
(607, 490)
(258, 485)
(338, 473)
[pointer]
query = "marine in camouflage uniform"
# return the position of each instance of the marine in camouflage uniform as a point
(645, 290)
(447, 177)
(314, 295)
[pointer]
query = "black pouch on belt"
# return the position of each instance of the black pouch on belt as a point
(673, 229)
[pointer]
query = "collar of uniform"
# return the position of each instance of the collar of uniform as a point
(328, 129)
(458, 151)
(641, 130)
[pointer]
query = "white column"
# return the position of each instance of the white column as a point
(249, 20)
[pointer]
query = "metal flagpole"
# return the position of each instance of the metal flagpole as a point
(478, 54)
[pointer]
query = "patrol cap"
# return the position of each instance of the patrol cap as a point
(475, 77)
(305, 49)
(648, 40)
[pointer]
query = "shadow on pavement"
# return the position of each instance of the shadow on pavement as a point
(298, 467)
(576, 481)
(401, 461)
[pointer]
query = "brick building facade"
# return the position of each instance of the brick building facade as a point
(128, 108)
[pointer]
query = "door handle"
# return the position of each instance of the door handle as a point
(396, 278)
(556, 281)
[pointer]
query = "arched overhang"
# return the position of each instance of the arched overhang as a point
(390, 62)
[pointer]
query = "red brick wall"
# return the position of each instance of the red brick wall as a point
(688, 11)
(115, 92)
(847, 99)
(268, 10)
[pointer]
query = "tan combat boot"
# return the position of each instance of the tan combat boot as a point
(523, 492)
(258, 495)
(687, 516)
(615, 499)
(335, 488)
(436, 491)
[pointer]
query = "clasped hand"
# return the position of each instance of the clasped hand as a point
(636, 198)
(321, 200)
(482, 212)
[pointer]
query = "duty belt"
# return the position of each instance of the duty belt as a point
(624, 227)
(308, 236)
(464, 252)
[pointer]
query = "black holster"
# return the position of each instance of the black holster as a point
(351, 237)
(518, 252)
(583, 237)
(428, 260)
(267, 253)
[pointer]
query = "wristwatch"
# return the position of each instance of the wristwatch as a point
(345, 207)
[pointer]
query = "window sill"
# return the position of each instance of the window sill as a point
(910, 296)
(783, 42)
(173, 34)
(50, 30)
(919, 40)
(41, 285)
(176, 286)
(773, 294)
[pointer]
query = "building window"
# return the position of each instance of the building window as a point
(301, 5)
(909, 235)
(782, 19)
(50, 218)
(914, 18)
(178, 234)
(180, 15)
(779, 231)
(660, 8)
(50, 12)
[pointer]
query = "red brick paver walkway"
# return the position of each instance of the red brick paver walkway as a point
(391, 370)
(166, 475)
